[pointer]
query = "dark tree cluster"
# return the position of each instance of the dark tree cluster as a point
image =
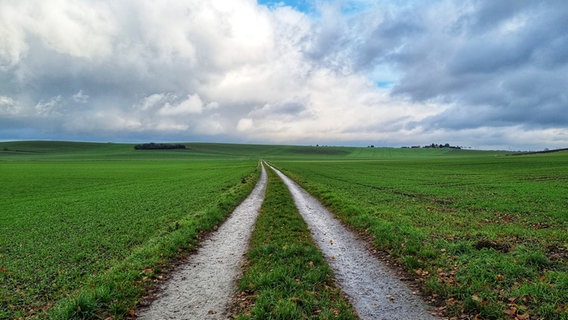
(436, 146)
(447, 145)
(159, 146)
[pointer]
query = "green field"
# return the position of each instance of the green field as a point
(85, 227)
(81, 223)
(483, 233)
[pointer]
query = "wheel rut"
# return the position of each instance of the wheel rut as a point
(373, 289)
(203, 287)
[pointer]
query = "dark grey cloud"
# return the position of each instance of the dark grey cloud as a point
(505, 66)
(493, 64)
(385, 42)
(500, 62)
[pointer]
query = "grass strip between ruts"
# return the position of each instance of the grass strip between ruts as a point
(286, 275)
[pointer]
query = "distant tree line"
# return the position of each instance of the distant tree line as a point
(546, 150)
(437, 146)
(159, 146)
(447, 145)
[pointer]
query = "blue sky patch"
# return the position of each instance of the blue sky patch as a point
(306, 6)
(385, 84)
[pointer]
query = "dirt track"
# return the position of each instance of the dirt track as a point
(374, 290)
(203, 287)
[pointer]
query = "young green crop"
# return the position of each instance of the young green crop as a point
(79, 238)
(286, 276)
(484, 235)
(85, 227)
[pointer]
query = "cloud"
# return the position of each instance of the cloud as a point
(45, 108)
(487, 64)
(245, 124)
(292, 108)
(345, 71)
(8, 106)
(493, 68)
(76, 28)
(80, 97)
(192, 104)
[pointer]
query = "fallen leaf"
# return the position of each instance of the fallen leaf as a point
(512, 311)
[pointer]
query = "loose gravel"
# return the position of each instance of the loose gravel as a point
(203, 287)
(374, 290)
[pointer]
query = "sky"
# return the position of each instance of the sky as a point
(480, 74)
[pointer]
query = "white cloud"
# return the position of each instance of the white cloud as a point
(212, 105)
(76, 28)
(212, 125)
(108, 121)
(46, 108)
(150, 101)
(192, 104)
(80, 97)
(12, 33)
(245, 124)
(8, 106)
(168, 125)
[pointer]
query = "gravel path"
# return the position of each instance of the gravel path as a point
(374, 291)
(203, 287)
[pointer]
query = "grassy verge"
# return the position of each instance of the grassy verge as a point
(115, 293)
(286, 276)
(486, 236)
